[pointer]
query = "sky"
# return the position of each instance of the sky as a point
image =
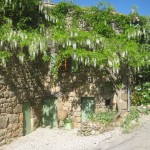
(122, 6)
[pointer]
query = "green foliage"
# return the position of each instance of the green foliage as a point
(131, 121)
(142, 94)
(102, 117)
(68, 120)
(136, 99)
(94, 37)
(4, 55)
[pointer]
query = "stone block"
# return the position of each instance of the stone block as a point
(5, 105)
(9, 128)
(14, 104)
(77, 114)
(66, 108)
(1, 139)
(78, 119)
(3, 122)
(9, 135)
(14, 99)
(9, 110)
(33, 113)
(1, 95)
(17, 109)
(9, 100)
(57, 89)
(13, 118)
(16, 133)
(2, 82)
(15, 127)
(60, 106)
(72, 94)
(21, 117)
(3, 100)
(93, 132)
(11, 94)
(3, 110)
(77, 109)
(6, 94)
(62, 115)
(3, 132)
(77, 125)
(9, 87)
(2, 142)
(3, 88)
(61, 123)
(71, 99)
(67, 104)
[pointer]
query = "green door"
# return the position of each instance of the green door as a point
(26, 118)
(88, 107)
(50, 112)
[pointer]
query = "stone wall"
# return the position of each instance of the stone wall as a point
(18, 84)
(71, 87)
(10, 115)
(32, 83)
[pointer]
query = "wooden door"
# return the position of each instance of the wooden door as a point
(50, 112)
(88, 107)
(26, 118)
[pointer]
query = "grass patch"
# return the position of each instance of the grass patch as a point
(131, 121)
(105, 118)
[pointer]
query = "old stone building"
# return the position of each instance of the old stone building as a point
(29, 98)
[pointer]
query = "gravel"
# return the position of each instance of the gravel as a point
(58, 139)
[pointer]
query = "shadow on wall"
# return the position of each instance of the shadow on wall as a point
(25, 81)
(90, 82)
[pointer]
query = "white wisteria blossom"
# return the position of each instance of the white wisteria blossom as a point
(74, 45)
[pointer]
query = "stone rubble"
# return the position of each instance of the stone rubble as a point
(89, 128)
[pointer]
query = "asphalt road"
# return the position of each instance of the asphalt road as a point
(138, 140)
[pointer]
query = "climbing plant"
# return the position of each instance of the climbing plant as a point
(95, 36)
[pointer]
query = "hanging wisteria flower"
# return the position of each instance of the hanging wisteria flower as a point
(117, 71)
(74, 56)
(76, 34)
(123, 54)
(94, 62)
(63, 45)
(69, 43)
(81, 59)
(74, 45)
(85, 62)
(97, 41)
(21, 58)
(1, 43)
(88, 42)
(110, 63)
